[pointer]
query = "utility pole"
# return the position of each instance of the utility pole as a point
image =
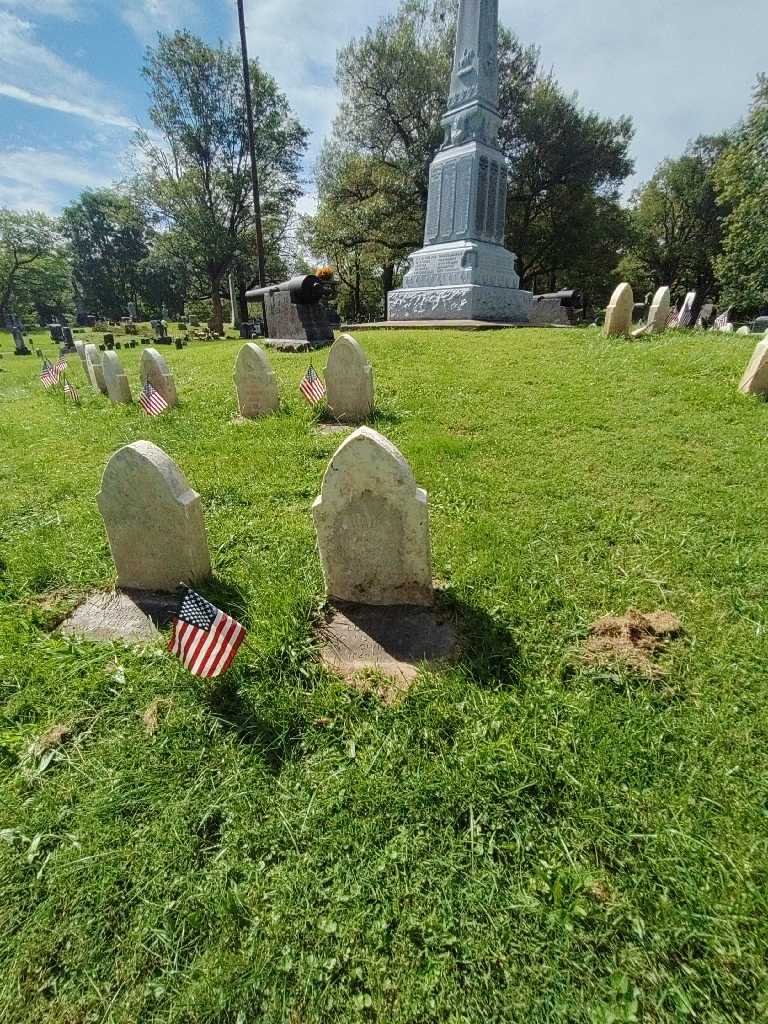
(262, 273)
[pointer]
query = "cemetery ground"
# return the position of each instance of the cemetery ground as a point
(519, 837)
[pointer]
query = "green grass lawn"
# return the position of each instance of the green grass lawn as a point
(522, 838)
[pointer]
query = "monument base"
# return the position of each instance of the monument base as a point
(296, 344)
(461, 302)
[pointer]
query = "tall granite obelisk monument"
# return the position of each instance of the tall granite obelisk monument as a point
(464, 272)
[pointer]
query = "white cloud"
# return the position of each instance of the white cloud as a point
(146, 17)
(65, 106)
(69, 9)
(59, 85)
(297, 43)
(44, 179)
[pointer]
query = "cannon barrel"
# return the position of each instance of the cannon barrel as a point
(304, 290)
(568, 298)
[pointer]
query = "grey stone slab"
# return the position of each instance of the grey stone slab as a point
(755, 379)
(93, 363)
(467, 302)
(132, 618)
(390, 640)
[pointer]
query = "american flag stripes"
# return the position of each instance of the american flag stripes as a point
(312, 387)
(672, 318)
(49, 376)
(723, 320)
(71, 392)
(685, 319)
(60, 368)
(151, 401)
(205, 638)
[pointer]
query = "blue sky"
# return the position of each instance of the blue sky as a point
(70, 84)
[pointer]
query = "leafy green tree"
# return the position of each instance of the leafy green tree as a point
(44, 289)
(26, 241)
(109, 238)
(197, 174)
(741, 180)
(676, 220)
(566, 169)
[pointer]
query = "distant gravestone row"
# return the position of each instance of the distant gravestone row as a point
(371, 521)
(107, 376)
(348, 376)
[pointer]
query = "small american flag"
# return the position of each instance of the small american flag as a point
(312, 387)
(60, 369)
(151, 401)
(71, 392)
(49, 377)
(672, 318)
(723, 320)
(205, 638)
(685, 319)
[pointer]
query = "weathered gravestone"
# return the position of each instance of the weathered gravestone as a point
(109, 342)
(743, 330)
(372, 526)
(93, 366)
(349, 380)
(69, 341)
(118, 388)
(160, 329)
(154, 521)
(155, 370)
(755, 380)
(56, 332)
(80, 349)
(618, 316)
(20, 347)
(660, 310)
(256, 384)
(759, 326)
(658, 314)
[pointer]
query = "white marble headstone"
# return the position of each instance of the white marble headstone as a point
(256, 384)
(118, 388)
(755, 380)
(94, 368)
(349, 380)
(154, 521)
(618, 316)
(153, 368)
(372, 526)
(660, 310)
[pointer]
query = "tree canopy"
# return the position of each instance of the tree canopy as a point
(196, 174)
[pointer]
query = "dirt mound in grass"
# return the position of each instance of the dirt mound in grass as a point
(633, 640)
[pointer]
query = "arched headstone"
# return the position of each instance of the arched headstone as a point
(372, 526)
(256, 384)
(80, 349)
(660, 310)
(618, 316)
(94, 369)
(755, 380)
(118, 388)
(155, 370)
(349, 380)
(154, 521)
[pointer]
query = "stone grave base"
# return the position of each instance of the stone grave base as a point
(393, 641)
(431, 325)
(132, 617)
(295, 344)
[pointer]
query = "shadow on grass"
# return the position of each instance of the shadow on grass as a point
(238, 717)
(487, 648)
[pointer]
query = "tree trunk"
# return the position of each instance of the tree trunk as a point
(242, 288)
(387, 282)
(218, 309)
